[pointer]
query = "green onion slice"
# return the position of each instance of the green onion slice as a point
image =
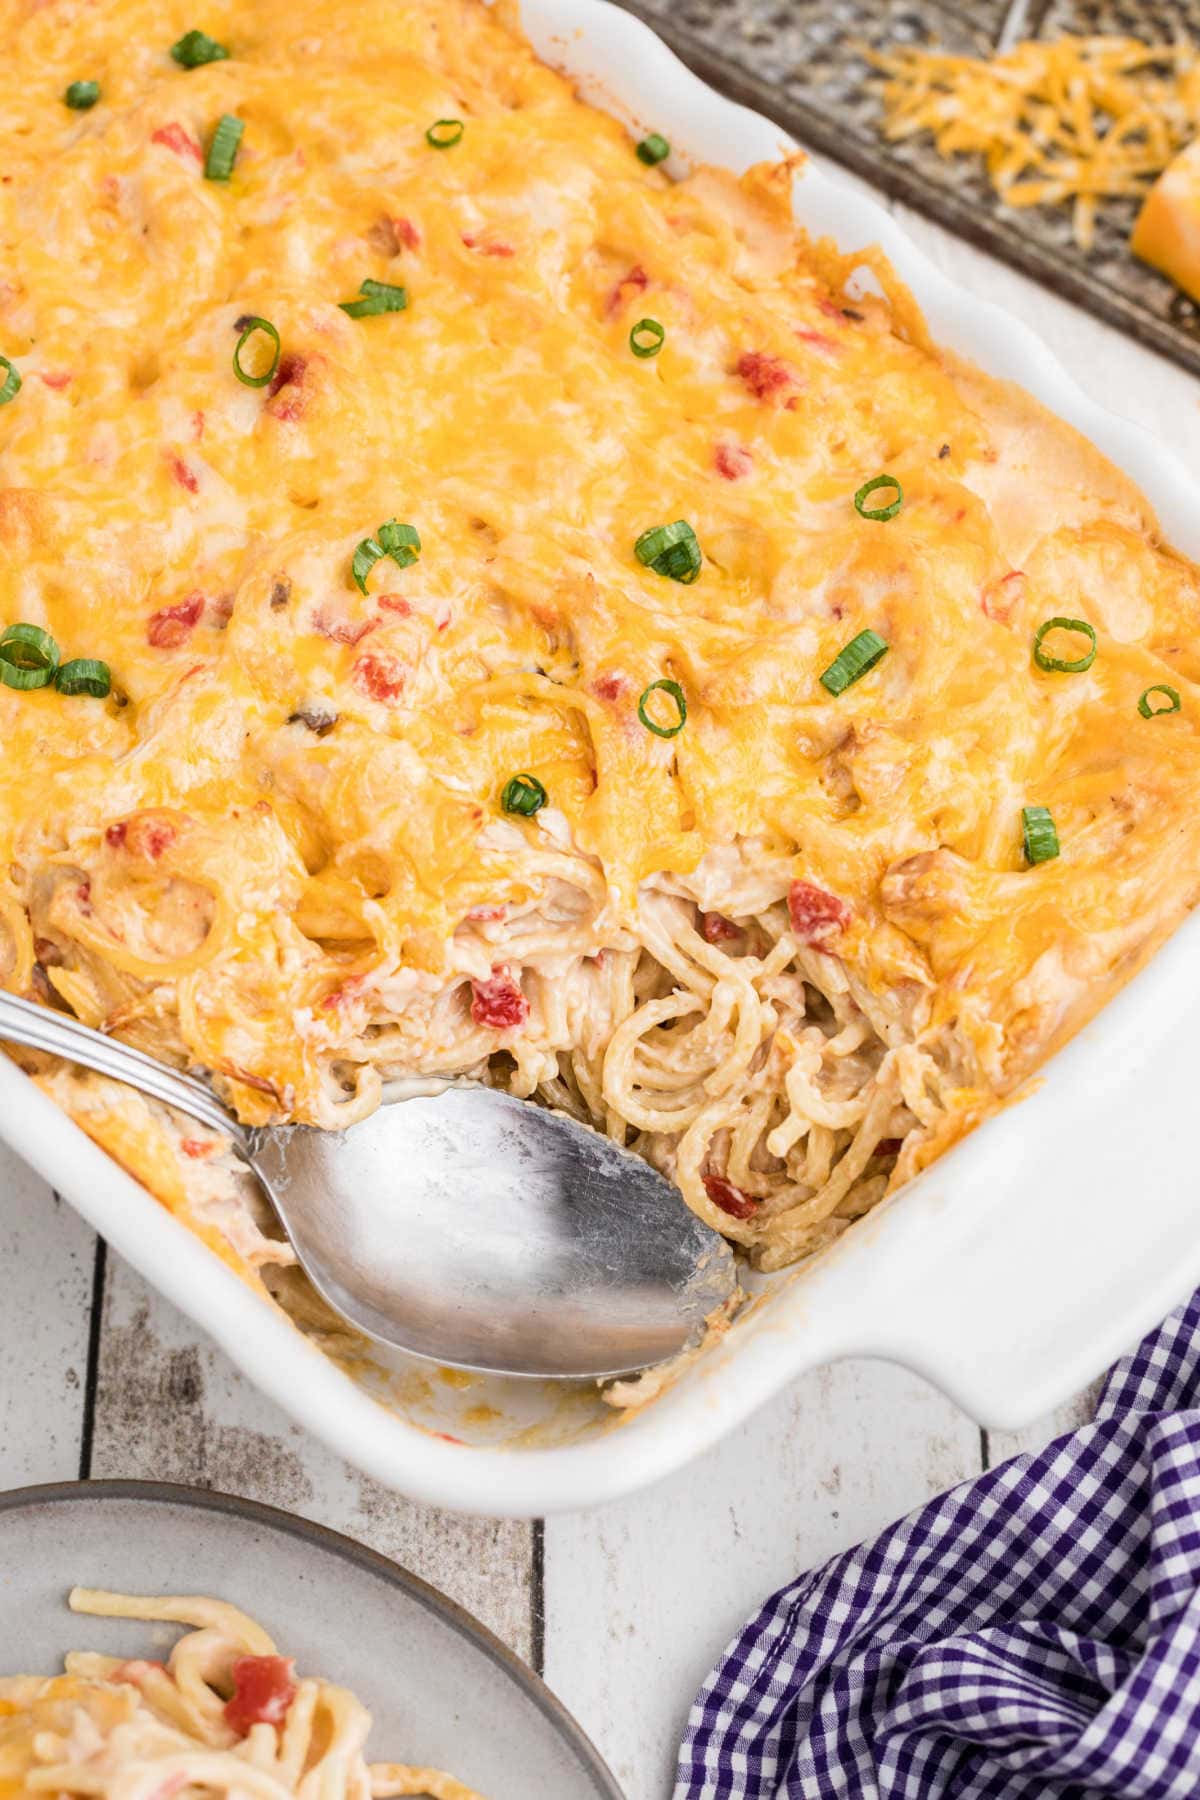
(443, 134)
(646, 338)
(859, 655)
(366, 555)
(223, 149)
(401, 542)
(376, 297)
(28, 657)
(671, 550)
(84, 675)
(676, 693)
(253, 324)
(1058, 664)
(653, 149)
(879, 513)
(81, 95)
(12, 381)
(1038, 836)
(195, 48)
(523, 795)
(1174, 703)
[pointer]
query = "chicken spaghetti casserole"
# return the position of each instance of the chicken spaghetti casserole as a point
(474, 603)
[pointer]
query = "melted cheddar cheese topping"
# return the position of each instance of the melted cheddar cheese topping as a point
(278, 852)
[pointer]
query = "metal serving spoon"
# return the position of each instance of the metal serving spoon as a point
(467, 1227)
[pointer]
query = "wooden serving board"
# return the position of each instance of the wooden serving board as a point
(801, 62)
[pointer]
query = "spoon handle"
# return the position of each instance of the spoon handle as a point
(38, 1028)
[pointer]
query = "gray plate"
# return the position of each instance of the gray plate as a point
(442, 1690)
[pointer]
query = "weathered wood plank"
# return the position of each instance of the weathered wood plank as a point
(641, 1597)
(47, 1260)
(170, 1405)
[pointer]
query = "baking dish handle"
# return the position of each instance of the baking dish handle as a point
(1041, 1247)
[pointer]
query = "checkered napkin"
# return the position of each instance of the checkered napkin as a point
(1031, 1635)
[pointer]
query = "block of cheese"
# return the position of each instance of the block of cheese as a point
(1167, 232)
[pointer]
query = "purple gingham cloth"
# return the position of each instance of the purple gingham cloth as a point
(1030, 1635)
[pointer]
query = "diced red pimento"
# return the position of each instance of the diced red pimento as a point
(343, 631)
(718, 929)
(263, 1689)
(57, 378)
(174, 137)
(380, 677)
(486, 915)
(817, 917)
(407, 233)
(819, 340)
(499, 1002)
(767, 377)
(145, 834)
(635, 282)
(197, 1148)
(732, 461)
(999, 599)
(172, 625)
(487, 246)
(730, 1199)
(185, 476)
(394, 603)
(286, 388)
(610, 686)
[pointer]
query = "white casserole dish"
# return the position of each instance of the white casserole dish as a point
(1009, 1274)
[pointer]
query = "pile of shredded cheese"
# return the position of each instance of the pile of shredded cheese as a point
(1080, 120)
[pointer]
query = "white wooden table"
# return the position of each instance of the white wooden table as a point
(623, 1609)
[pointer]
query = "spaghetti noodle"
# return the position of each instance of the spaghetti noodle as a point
(223, 1715)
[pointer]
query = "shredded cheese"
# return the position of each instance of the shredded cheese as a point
(1078, 121)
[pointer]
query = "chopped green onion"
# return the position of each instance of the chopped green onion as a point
(251, 325)
(1057, 663)
(366, 555)
(878, 513)
(646, 338)
(28, 657)
(1174, 703)
(671, 550)
(653, 149)
(12, 381)
(401, 542)
(377, 297)
(195, 48)
(81, 95)
(676, 693)
(859, 655)
(223, 149)
(1038, 836)
(443, 134)
(523, 795)
(84, 675)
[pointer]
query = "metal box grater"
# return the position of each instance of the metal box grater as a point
(799, 62)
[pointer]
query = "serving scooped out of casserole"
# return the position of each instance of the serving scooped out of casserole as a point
(473, 604)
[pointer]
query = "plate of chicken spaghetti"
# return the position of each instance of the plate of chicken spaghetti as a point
(235, 1650)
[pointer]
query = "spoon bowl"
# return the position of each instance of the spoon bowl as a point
(490, 1233)
(466, 1227)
